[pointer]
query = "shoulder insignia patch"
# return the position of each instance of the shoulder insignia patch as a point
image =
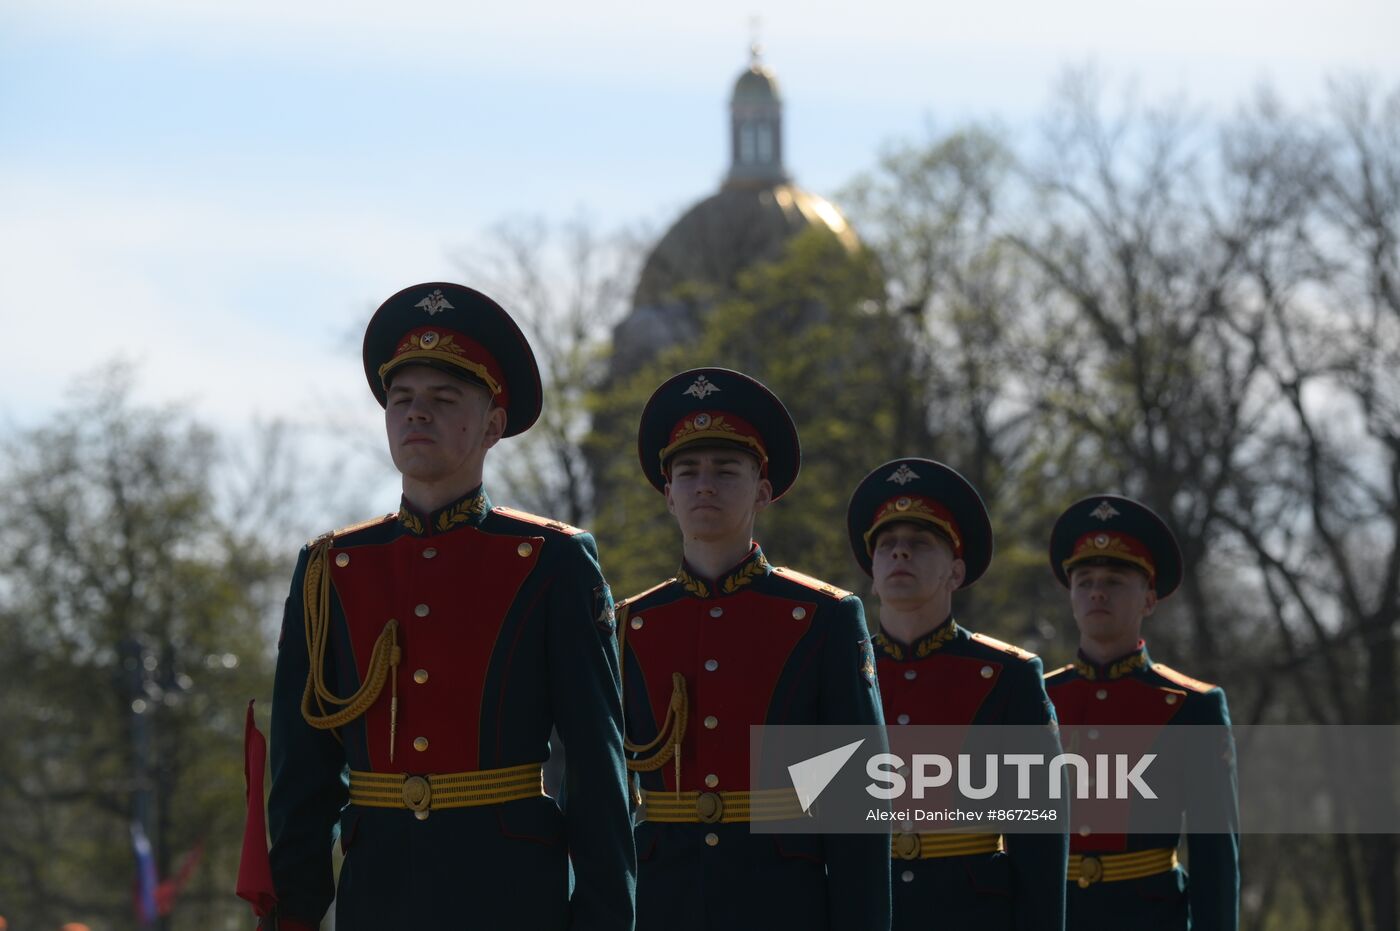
(1003, 646)
(354, 528)
(867, 661)
(1181, 679)
(633, 599)
(537, 520)
(604, 611)
(807, 581)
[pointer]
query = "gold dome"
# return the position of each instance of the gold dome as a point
(731, 230)
(756, 212)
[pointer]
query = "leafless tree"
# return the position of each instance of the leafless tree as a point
(567, 285)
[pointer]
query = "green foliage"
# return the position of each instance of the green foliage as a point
(811, 327)
(121, 590)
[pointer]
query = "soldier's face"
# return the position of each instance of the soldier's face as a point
(716, 493)
(913, 566)
(439, 427)
(1110, 601)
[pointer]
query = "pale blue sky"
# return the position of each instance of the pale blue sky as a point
(223, 192)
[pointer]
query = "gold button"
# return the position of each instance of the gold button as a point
(712, 839)
(709, 807)
(417, 793)
(711, 665)
(910, 674)
(420, 744)
(421, 610)
(906, 846)
(342, 559)
(1171, 699)
(430, 552)
(1090, 871)
(422, 815)
(907, 876)
(987, 672)
(524, 549)
(420, 676)
(1101, 694)
(1084, 831)
(636, 623)
(711, 722)
(799, 613)
(711, 780)
(903, 719)
(716, 611)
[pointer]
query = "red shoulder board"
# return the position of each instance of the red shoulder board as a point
(826, 588)
(1181, 679)
(538, 521)
(354, 528)
(640, 595)
(1003, 646)
(1063, 669)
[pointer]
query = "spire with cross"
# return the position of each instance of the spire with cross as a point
(756, 122)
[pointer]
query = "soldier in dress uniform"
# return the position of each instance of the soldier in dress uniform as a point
(430, 651)
(1118, 559)
(920, 530)
(730, 642)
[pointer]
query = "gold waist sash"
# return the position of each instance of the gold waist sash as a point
(721, 807)
(1116, 867)
(434, 791)
(935, 846)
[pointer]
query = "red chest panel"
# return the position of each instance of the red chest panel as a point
(1084, 705)
(1115, 701)
(941, 688)
(450, 606)
(731, 652)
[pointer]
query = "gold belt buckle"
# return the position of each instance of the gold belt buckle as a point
(908, 846)
(709, 807)
(418, 796)
(1090, 871)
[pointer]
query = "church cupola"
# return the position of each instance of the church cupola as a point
(756, 128)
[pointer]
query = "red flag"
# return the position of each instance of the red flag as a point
(169, 889)
(254, 867)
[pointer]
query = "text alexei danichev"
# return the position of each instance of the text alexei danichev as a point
(907, 816)
(919, 814)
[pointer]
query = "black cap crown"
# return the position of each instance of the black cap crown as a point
(1117, 529)
(461, 331)
(926, 492)
(718, 407)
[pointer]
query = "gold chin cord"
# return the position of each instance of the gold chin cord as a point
(667, 743)
(383, 661)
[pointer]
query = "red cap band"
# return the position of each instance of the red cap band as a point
(436, 344)
(920, 509)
